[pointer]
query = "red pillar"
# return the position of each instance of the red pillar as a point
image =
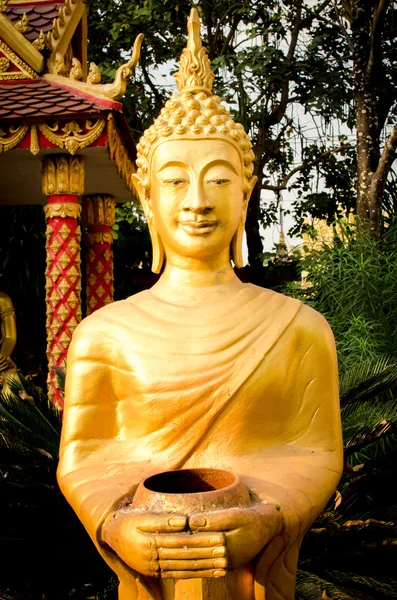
(98, 218)
(63, 182)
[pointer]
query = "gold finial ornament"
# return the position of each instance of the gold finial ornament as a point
(194, 66)
(40, 42)
(23, 24)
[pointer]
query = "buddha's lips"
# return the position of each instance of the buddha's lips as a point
(198, 227)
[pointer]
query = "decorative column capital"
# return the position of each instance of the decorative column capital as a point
(99, 216)
(67, 209)
(63, 174)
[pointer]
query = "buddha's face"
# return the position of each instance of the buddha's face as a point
(196, 195)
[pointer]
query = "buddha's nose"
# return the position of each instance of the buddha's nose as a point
(196, 201)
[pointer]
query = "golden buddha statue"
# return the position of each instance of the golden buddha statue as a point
(8, 339)
(201, 371)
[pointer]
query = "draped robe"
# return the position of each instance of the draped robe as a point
(248, 384)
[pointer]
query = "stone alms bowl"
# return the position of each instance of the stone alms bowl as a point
(188, 491)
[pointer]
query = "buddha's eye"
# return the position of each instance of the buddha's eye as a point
(174, 182)
(218, 181)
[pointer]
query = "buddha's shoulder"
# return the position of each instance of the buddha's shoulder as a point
(107, 319)
(304, 319)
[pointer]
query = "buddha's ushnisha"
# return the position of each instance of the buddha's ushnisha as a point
(200, 371)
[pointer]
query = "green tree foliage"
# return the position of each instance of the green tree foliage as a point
(352, 282)
(279, 65)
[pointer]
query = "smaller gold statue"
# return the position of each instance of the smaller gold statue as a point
(8, 339)
(201, 432)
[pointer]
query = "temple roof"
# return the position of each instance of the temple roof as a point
(40, 99)
(41, 17)
(50, 105)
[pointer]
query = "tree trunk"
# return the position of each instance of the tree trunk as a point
(368, 20)
(368, 208)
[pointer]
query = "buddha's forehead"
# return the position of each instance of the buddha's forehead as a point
(196, 153)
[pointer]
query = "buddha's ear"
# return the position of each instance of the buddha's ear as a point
(137, 182)
(158, 253)
(251, 182)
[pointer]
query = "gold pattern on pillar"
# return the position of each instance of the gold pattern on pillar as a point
(98, 217)
(63, 183)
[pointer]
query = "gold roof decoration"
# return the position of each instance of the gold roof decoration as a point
(23, 24)
(40, 42)
(110, 91)
(194, 66)
(195, 110)
(3, 6)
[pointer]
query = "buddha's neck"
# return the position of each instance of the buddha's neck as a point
(192, 282)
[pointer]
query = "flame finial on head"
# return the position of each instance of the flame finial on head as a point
(194, 66)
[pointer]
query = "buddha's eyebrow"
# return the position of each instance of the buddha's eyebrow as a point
(223, 163)
(173, 163)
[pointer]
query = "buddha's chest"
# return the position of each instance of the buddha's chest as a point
(169, 388)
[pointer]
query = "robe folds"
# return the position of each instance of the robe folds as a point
(248, 384)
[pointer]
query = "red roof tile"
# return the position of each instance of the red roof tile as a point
(39, 98)
(40, 17)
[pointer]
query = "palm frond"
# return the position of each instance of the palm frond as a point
(310, 586)
(30, 425)
(60, 378)
(368, 380)
(365, 584)
(362, 437)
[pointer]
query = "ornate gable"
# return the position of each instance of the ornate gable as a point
(12, 66)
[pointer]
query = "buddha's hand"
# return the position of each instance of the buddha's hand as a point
(160, 545)
(246, 529)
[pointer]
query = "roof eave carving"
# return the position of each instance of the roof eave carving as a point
(20, 45)
(106, 91)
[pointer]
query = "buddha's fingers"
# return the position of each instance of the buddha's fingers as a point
(188, 540)
(193, 565)
(161, 523)
(234, 518)
(186, 553)
(208, 573)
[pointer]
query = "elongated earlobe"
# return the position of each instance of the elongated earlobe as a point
(157, 248)
(157, 245)
(236, 247)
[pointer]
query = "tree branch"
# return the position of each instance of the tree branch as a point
(304, 165)
(150, 84)
(376, 35)
(321, 8)
(233, 28)
(210, 37)
(342, 27)
(222, 20)
(386, 160)
(278, 113)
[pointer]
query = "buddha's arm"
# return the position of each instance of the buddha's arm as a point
(8, 333)
(300, 470)
(95, 471)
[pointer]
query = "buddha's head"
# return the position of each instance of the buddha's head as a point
(195, 167)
